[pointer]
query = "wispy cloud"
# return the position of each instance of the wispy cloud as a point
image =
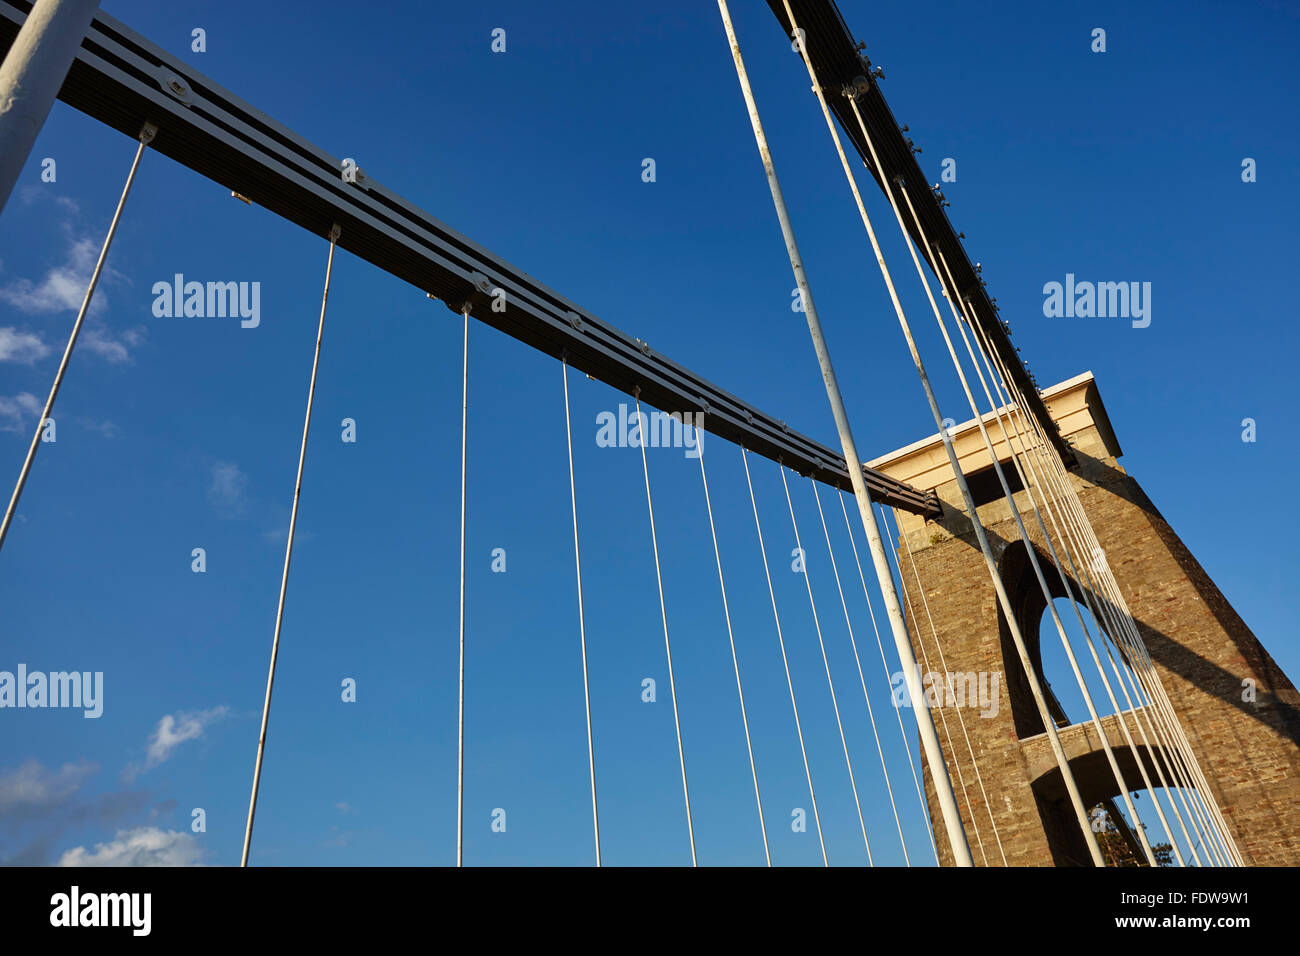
(34, 787)
(141, 846)
(24, 347)
(37, 804)
(338, 838)
(64, 285)
(172, 731)
(277, 535)
(18, 413)
(17, 410)
(106, 428)
(228, 490)
(163, 808)
(112, 346)
(62, 290)
(32, 193)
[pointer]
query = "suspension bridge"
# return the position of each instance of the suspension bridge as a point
(1014, 511)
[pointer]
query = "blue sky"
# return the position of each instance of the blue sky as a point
(182, 433)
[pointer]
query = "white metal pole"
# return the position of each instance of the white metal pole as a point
(924, 720)
(30, 78)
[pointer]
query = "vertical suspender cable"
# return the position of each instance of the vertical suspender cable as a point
(943, 720)
(1124, 628)
(807, 580)
(1110, 609)
(288, 551)
(1168, 749)
(947, 280)
(871, 715)
(949, 283)
(929, 738)
(1085, 585)
(460, 718)
(582, 624)
(907, 747)
(735, 662)
(663, 611)
(146, 136)
(780, 637)
(1058, 750)
(1030, 550)
(943, 665)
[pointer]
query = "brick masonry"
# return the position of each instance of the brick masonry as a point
(1203, 651)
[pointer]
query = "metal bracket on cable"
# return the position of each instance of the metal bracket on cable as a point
(935, 253)
(147, 132)
(705, 409)
(478, 292)
(335, 231)
(856, 88)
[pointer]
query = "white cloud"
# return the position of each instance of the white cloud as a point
(228, 489)
(19, 413)
(25, 347)
(101, 342)
(142, 846)
(114, 347)
(277, 535)
(32, 193)
(105, 427)
(16, 410)
(338, 837)
(33, 786)
(63, 289)
(174, 729)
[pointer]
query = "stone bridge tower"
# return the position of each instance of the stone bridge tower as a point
(1205, 654)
